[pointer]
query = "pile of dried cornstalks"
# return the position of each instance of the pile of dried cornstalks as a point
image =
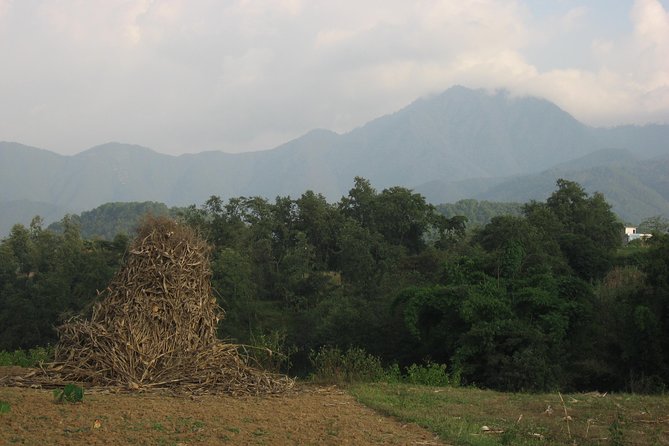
(155, 326)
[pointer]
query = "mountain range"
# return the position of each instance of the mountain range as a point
(461, 143)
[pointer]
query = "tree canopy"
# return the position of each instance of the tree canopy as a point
(534, 300)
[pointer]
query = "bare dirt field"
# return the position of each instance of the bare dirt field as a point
(308, 416)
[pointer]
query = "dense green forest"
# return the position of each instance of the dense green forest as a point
(111, 219)
(539, 300)
(479, 213)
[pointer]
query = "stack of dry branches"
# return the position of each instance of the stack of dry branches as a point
(155, 326)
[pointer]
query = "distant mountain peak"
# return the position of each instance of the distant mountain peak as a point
(115, 149)
(321, 132)
(16, 146)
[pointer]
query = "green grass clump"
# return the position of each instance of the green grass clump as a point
(333, 365)
(271, 351)
(430, 374)
(26, 358)
(71, 393)
(5, 407)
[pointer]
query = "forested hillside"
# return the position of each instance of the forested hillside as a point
(479, 213)
(636, 188)
(535, 301)
(111, 219)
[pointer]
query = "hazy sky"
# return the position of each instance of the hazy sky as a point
(191, 75)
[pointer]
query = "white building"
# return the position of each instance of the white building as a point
(632, 234)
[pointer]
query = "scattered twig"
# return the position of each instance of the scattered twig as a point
(567, 418)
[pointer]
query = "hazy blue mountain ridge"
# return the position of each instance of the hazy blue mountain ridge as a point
(23, 211)
(648, 140)
(29, 173)
(459, 144)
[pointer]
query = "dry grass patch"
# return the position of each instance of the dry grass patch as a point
(307, 416)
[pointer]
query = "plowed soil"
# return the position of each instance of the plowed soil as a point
(308, 416)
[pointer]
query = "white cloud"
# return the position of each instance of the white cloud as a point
(4, 7)
(651, 23)
(189, 75)
(651, 42)
(574, 17)
(631, 82)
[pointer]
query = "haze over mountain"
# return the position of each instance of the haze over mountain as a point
(636, 188)
(459, 144)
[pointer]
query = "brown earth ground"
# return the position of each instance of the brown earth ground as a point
(308, 416)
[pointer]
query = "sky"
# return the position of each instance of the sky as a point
(186, 76)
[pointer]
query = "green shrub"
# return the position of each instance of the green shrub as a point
(332, 365)
(71, 393)
(26, 358)
(430, 374)
(616, 431)
(4, 407)
(6, 358)
(271, 351)
(393, 374)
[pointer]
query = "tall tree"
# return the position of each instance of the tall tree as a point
(586, 229)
